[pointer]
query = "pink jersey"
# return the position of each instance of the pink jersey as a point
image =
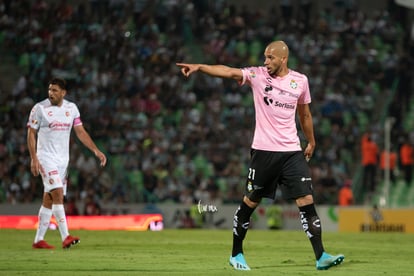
(275, 102)
(54, 125)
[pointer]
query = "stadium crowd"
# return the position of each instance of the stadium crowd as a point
(169, 139)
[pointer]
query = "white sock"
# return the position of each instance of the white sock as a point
(44, 220)
(60, 216)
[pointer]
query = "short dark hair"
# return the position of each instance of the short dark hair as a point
(59, 82)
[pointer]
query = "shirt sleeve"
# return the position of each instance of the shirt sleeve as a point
(34, 117)
(305, 97)
(248, 74)
(76, 116)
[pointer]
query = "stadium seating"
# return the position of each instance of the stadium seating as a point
(344, 65)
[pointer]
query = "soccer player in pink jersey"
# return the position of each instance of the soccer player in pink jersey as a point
(277, 158)
(49, 127)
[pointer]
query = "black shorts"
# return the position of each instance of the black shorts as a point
(268, 170)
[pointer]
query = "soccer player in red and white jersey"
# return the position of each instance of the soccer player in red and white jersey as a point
(277, 158)
(49, 126)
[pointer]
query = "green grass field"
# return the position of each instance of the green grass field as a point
(202, 252)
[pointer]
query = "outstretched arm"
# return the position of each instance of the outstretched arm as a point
(306, 123)
(86, 139)
(221, 71)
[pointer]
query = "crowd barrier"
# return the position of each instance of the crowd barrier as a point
(367, 219)
(140, 222)
(267, 216)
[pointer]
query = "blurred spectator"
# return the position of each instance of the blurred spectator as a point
(150, 184)
(13, 190)
(91, 207)
(187, 197)
(390, 164)
(369, 159)
(71, 207)
(118, 57)
(186, 220)
(407, 161)
(86, 163)
(327, 186)
(183, 219)
(274, 217)
(345, 194)
(105, 182)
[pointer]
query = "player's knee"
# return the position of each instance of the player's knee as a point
(304, 200)
(47, 200)
(249, 202)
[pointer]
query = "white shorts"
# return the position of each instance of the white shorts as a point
(53, 176)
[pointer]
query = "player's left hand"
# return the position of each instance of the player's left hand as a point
(101, 157)
(35, 166)
(308, 152)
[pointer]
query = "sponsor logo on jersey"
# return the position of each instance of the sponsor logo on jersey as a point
(249, 187)
(284, 105)
(55, 172)
(59, 125)
(252, 74)
(290, 94)
(293, 84)
(268, 88)
(269, 101)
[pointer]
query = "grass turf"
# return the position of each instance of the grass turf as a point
(202, 252)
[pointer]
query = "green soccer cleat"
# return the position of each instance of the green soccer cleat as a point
(238, 262)
(326, 261)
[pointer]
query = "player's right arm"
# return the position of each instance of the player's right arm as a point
(221, 71)
(31, 144)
